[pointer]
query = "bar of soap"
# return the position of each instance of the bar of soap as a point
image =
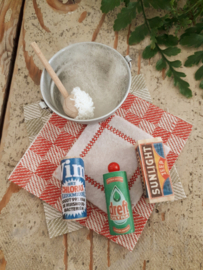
(155, 176)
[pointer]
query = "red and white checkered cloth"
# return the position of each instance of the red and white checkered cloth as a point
(103, 143)
(35, 170)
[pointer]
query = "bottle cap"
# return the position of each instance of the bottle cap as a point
(113, 167)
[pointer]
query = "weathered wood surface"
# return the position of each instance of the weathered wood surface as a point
(172, 238)
(9, 16)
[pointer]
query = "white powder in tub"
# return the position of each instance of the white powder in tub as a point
(84, 104)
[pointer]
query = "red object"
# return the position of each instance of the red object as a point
(113, 167)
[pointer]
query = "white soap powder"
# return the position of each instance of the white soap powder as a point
(84, 104)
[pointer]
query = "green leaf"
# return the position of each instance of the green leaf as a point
(179, 74)
(185, 91)
(149, 52)
(176, 63)
(167, 40)
(108, 5)
(183, 87)
(138, 34)
(126, 2)
(139, 7)
(160, 4)
(201, 84)
(194, 59)
(125, 17)
(184, 22)
(195, 40)
(146, 3)
(155, 22)
(153, 43)
(160, 64)
(184, 83)
(169, 73)
(153, 38)
(171, 51)
(196, 29)
(199, 74)
(168, 23)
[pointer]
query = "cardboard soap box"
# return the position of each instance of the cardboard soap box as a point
(156, 180)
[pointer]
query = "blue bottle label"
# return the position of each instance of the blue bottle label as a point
(73, 189)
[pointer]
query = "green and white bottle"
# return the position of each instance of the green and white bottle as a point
(118, 201)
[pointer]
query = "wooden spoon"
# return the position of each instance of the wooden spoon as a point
(69, 103)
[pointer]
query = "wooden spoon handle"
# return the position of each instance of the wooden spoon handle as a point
(50, 70)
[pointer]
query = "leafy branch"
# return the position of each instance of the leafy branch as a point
(158, 27)
(193, 37)
(163, 62)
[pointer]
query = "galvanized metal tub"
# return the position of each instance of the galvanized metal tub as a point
(97, 69)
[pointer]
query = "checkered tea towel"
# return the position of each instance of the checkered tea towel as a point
(34, 118)
(37, 176)
(103, 143)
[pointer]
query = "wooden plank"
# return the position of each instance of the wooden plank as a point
(53, 29)
(100, 252)
(23, 214)
(2, 261)
(79, 246)
(9, 17)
